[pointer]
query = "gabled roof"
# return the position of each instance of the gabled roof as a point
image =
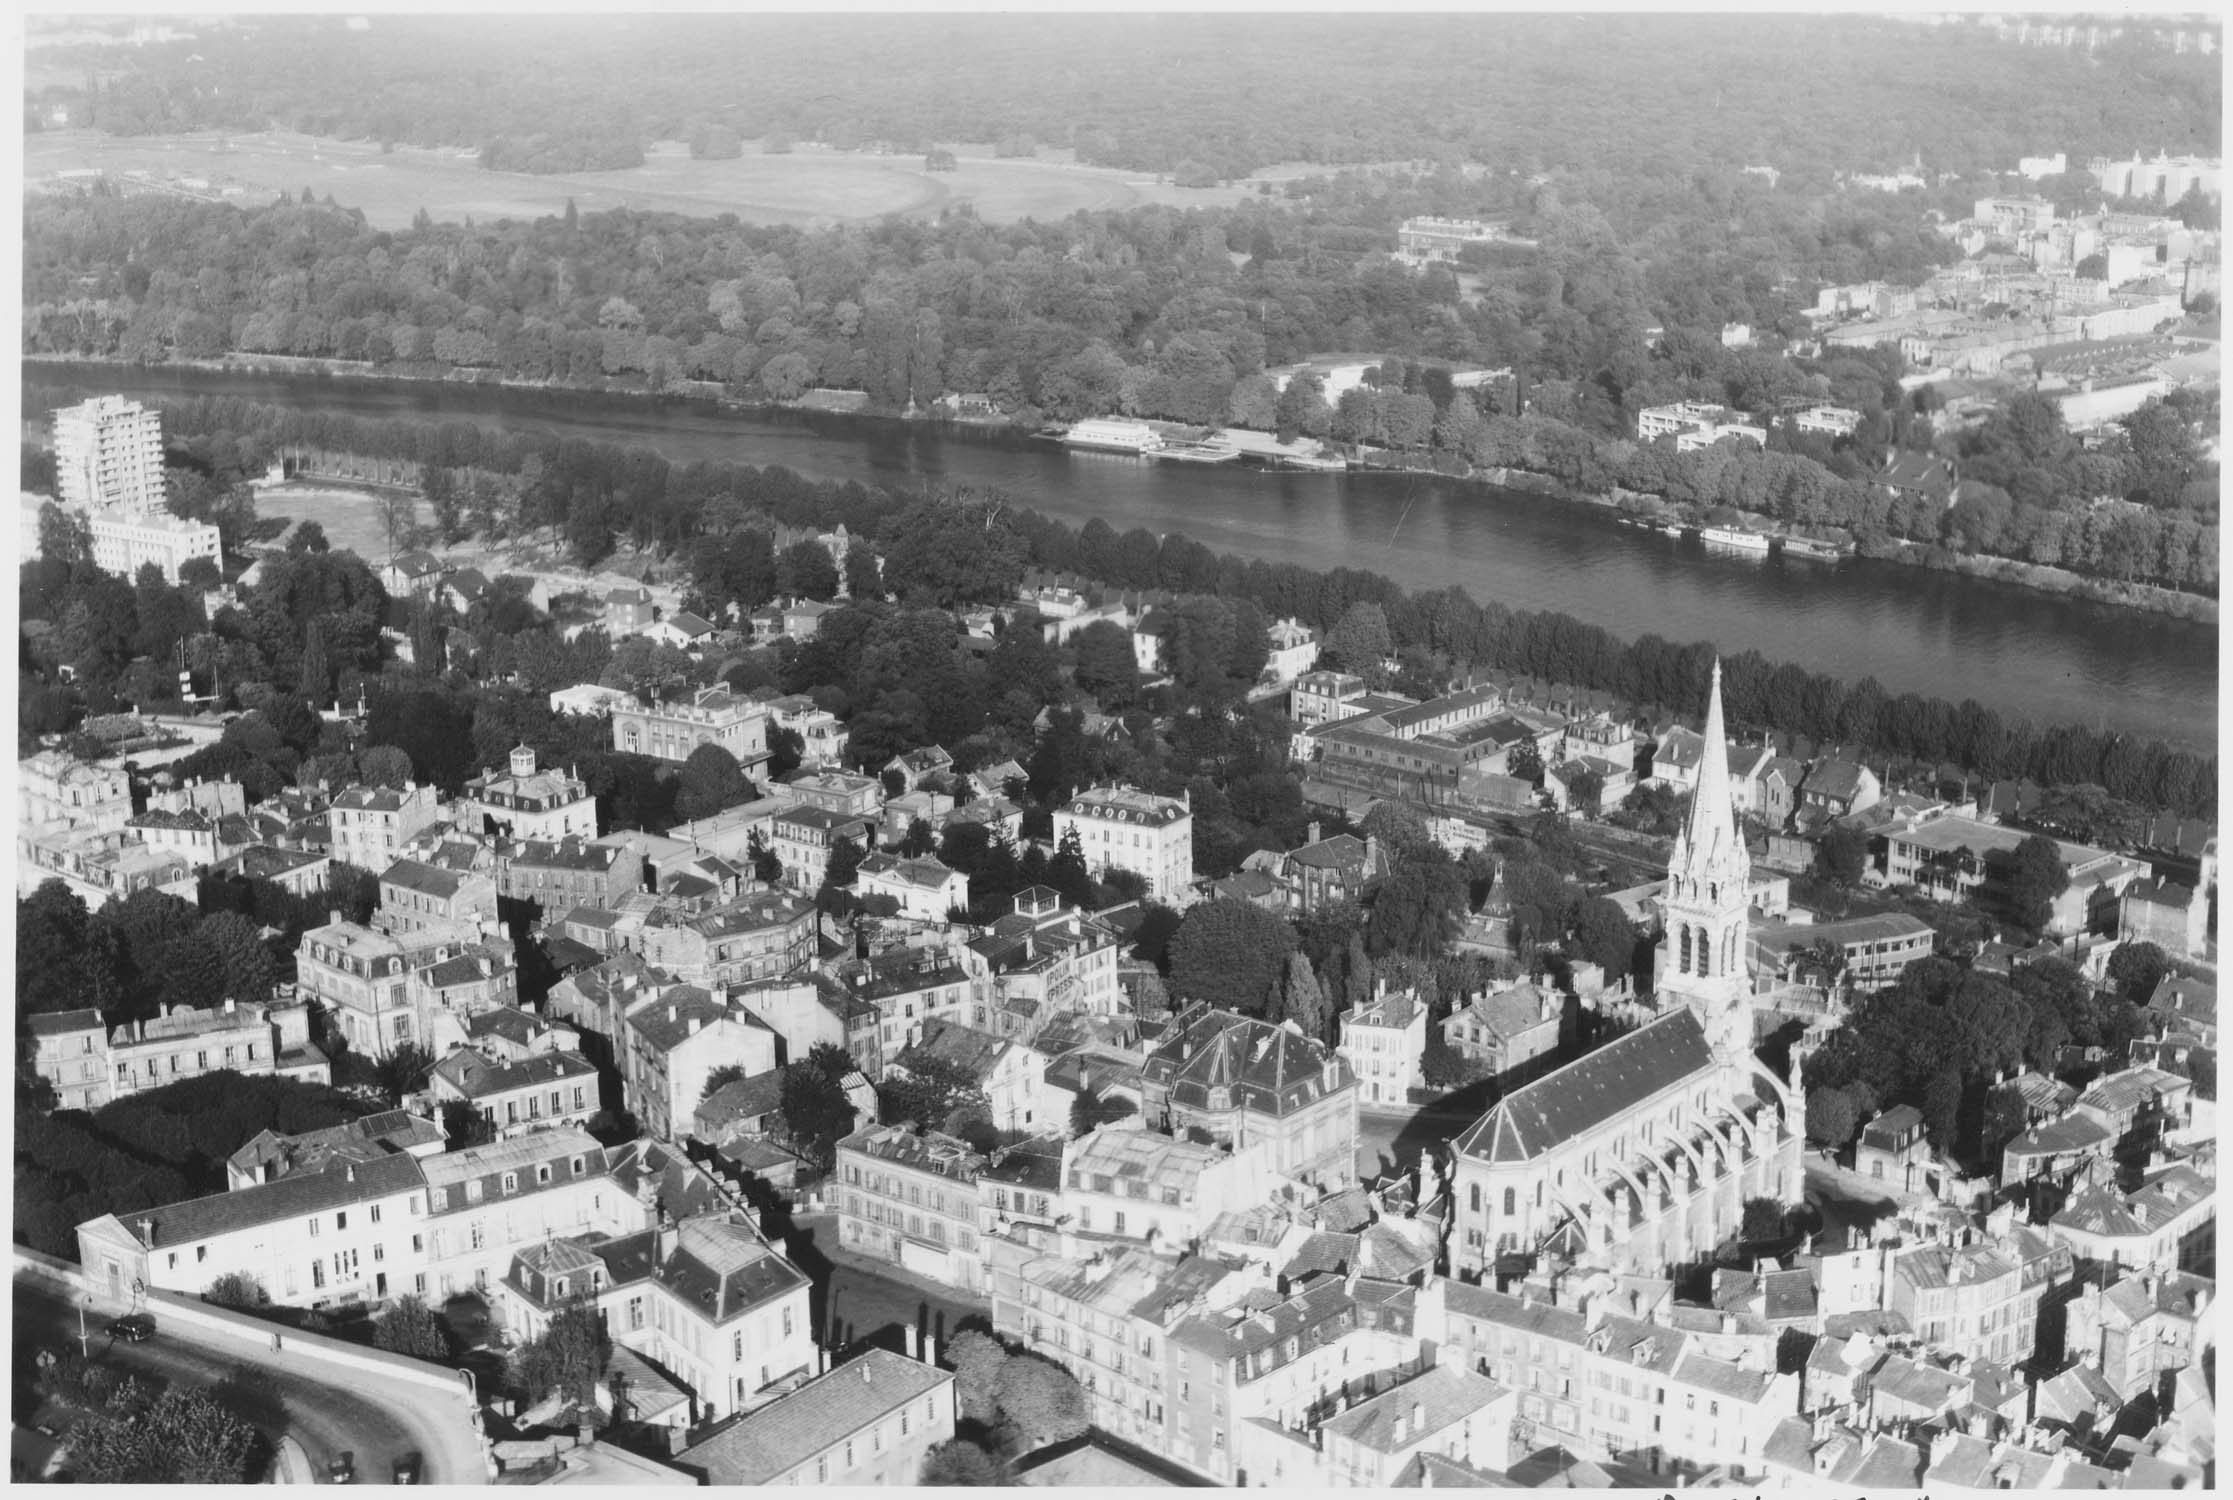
(342, 1184)
(777, 1438)
(1582, 1095)
(65, 1022)
(478, 1077)
(1411, 1413)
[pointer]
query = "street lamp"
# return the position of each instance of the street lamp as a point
(84, 1351)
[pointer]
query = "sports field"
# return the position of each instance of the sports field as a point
(808, 186)
(351, 518)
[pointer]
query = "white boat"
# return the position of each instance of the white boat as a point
(1113, 437)
(1808, 547)
(1727, 536)
(1211, 452)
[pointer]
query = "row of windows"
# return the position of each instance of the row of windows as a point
(232, 1058)
(509, 1183)
(535, 1112)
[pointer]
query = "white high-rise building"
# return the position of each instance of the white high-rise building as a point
(109, 451)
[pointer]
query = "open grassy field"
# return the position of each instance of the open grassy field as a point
(805, 187)
(351, 518)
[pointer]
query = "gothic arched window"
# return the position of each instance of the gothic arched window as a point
(1511, 1202)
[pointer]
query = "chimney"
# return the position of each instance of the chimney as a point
(868, 1376)
(930, 1348)
(147, 1232)
(1313, 838)
(695, 1023)
(914, 1342)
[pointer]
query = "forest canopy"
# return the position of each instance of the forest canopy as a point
(1201, 97)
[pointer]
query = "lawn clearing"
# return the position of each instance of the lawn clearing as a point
(811, 185)
(351, 518)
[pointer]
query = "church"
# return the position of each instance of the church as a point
(1640, 1156)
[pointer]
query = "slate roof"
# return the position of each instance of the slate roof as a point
(666, 1021)
(506, 1023)
(65, 1022)
(721, 1269)
(476, 1077)
(425, 879)
(741, 1099)
(2054, 1137)
(1443, 1397)
(1315, 1315)
(298, 1195)
(1839, 780)
(1584, 1094)
(973, 1052)
(777, 1438)
(1270, 1069)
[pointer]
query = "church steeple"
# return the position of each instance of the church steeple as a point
(1702, 957)
(1710, 834)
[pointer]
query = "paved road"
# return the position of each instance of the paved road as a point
(281, 1393)
(861, 1300)
(1387, 1141)
(1843, 1197)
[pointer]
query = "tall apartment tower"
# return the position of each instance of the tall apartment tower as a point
(109, 452)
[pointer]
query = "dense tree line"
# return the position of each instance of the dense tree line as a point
(1200, 97)
(907, 667)
(1145, 313)
(149, 1149)
(1940, 1037)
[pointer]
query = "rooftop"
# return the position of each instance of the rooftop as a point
(1412, 1412)
(766, 1444)
(1561, 1105)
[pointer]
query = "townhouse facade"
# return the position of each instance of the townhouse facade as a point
(712, 716)
(1611, 1388)
(1385, 1043)
(368, 826)
(524, 803)
(911, 1201)
(1124, 828)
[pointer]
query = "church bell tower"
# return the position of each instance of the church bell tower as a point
(1701, 963)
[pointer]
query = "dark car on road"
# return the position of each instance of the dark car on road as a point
(407, 1469)
(133, 1328)
(342, 1469)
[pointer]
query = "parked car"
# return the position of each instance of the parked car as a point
(133, 1328)
(342, 1469)
(407, 1469)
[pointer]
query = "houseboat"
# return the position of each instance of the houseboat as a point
(1213, 451)
(1317, 463)
(1735, 539)
(1104, 436)
(1808, 547)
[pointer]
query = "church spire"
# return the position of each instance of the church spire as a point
(1710, 832)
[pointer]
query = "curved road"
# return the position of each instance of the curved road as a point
(281, 1393)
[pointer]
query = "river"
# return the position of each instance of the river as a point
(2014, 649)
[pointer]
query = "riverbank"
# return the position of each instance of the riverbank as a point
(2136, 597)
(2024, 652)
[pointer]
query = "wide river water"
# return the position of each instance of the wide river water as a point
(2020, 651)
